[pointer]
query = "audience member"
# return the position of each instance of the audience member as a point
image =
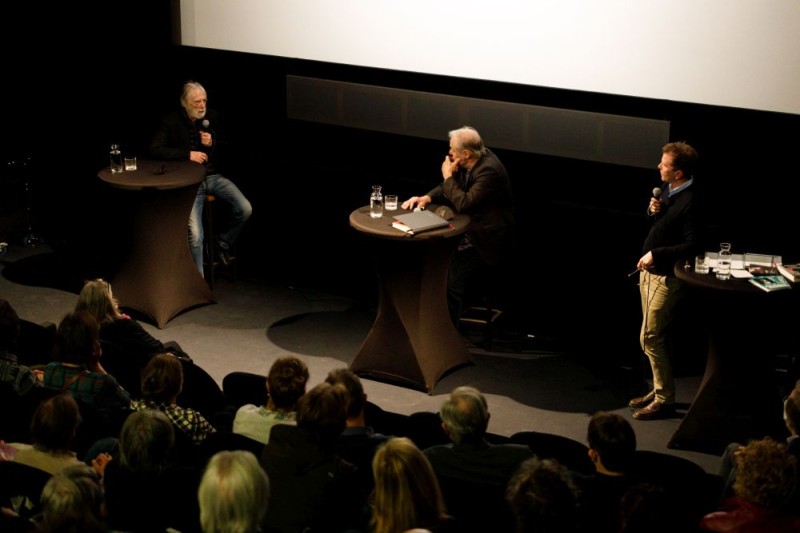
(473, 474)
(544, 498)
(358, 442)
(73, 501)
(612, 445)
(127, 346)
(766, 478)
(193, 133)
(649, 508)
(675, 233)
(407, 494)
(474, 182)
(17, 377)
(52, 431)
(78, 369)
(162, 381)
(234, 493)
(791, 416)
(286, 383)
(145, 491)
(312, 487)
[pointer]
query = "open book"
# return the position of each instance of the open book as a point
(419, 221)
(769, 283)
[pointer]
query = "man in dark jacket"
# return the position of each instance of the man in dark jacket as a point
(475, 182)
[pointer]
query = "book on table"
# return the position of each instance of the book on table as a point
(769, 283)
(790, 271)
(419, 221)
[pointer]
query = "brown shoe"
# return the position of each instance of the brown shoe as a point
(642, 401)
(655, 410)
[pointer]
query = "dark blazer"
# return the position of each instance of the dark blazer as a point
(177, 135)
(485, 195)
(676, 231)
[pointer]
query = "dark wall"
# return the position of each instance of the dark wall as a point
(581, 222)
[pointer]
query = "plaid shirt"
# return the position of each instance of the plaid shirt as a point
(20, 377)
(186, 419)
(95, 389)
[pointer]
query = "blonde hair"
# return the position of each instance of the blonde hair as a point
(407, 493)
(96, 298)
(233, 494)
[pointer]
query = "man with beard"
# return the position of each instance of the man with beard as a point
(192, 133)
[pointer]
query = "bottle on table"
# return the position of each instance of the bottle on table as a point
(376, 202)
(116, 159)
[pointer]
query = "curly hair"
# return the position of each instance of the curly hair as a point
(766, 473)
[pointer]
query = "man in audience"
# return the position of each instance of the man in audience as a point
(312, 487)
(470, 466)
(612, 445)
(286, 383)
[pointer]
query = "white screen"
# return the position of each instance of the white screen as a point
(734, 53)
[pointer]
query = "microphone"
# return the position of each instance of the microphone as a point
(656, 190)
(207, 127)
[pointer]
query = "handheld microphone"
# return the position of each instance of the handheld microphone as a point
(656, 190)
(207, 124)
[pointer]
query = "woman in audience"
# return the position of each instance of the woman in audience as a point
(78, 369)
(766, 478)
(407, 494)
(233, 494)
(286, 383)
(162, 382)
(53, 429)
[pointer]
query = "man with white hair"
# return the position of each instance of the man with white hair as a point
(474, 182)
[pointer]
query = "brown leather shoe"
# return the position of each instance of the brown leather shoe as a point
(642, 401)
(655, 410)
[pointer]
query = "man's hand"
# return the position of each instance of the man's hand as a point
(655, 206)
(645, 262)
(416, 201)
(198, 157)
(450, 166)
(205, 138)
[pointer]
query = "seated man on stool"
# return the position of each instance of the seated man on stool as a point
(192, 133)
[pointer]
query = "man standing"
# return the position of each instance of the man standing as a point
(193, 133)
(475, 182)
(674, 234)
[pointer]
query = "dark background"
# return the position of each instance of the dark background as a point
(79, 77)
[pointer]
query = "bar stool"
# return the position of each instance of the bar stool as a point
(211, 250)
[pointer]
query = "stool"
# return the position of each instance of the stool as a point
(211, 251)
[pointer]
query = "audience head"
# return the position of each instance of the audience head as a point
(146, 441)
(286, 382)
(162, 379)
(9, 326)
(78, 338)
(684, 157)
(72, 500)
(543, 497)
(194, 100)
(96, 298)
(55, 423)
(766, 473)
(465, 415)
(612, 441)
(233, 493)
(407, 493)
(791, 410)
(355, 390)
(322, 412)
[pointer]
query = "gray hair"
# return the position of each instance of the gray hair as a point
(469, 139)
(190, 87)
(465, 414)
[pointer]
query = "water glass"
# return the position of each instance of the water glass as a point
(701, 264)
(724, 265)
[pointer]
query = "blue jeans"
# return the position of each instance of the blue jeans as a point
(240, 210)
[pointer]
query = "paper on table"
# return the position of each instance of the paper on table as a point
(741, 274)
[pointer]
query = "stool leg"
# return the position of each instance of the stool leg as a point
(210, 242)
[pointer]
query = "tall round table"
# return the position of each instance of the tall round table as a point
(412, 342)
(158, 277)
(738, 397)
